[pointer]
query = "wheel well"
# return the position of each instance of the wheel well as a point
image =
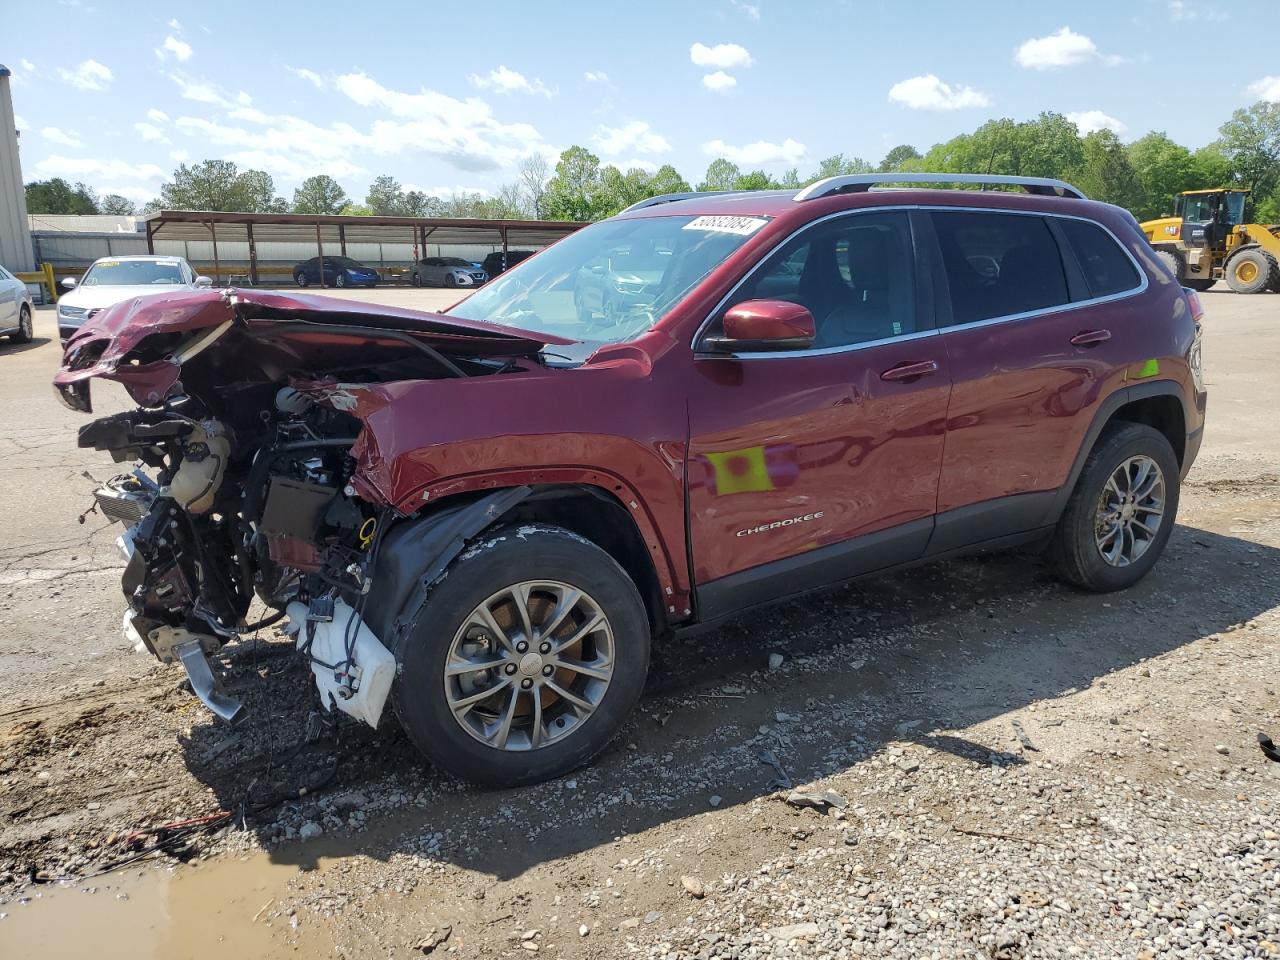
(1164, 413)
(599, 517)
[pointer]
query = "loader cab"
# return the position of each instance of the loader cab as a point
(1208, 216)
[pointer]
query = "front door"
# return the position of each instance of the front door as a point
(818, 465)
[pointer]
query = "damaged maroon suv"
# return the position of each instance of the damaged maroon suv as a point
(482, 519)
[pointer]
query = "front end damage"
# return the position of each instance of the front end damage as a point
(247, 485)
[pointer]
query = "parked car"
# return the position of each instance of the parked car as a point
(619, 281)
(447, 272)
(112, 279)
(15, 308)
(338, 272)
(495, 264)
(488, 517)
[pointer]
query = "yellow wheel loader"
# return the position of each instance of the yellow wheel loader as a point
(1207, 240)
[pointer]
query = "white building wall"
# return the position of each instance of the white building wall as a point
(15, 237)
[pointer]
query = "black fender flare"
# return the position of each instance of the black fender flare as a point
(413, 555)
(1106, 410)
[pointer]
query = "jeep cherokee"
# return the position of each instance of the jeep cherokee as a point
(486, 516)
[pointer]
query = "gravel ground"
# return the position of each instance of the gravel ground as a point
(966, 760)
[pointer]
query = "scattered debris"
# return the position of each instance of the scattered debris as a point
(795, 931)
(818, 801)
(1268, 747)
(434, 938)
(1023, 739)
(775, 661)
(782, 781)
(715, 800)
(694, 887)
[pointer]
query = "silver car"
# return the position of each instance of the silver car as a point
(112, 279)
(15, 308)
(447, 272)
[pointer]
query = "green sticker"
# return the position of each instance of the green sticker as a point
(1150, 368)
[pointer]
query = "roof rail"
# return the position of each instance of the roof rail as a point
(673, 197)
(861, 182)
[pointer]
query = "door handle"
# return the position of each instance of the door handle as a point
(1089, 338)
(910, 371)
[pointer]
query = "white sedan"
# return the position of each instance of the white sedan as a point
(113, 279)
(15, 308)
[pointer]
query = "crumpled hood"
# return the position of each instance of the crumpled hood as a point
(142, 342)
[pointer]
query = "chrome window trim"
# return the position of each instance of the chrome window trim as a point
(1143, 284)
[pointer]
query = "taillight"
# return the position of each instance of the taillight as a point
(1193, 301)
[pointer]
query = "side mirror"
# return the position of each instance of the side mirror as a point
(203, 281)
(764, 325)
(67, 283)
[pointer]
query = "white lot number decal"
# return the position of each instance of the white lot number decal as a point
(743, 226)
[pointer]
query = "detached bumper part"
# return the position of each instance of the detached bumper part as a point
(362, 689)
(206, 685)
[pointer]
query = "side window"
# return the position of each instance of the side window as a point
(855, 275)
(999, 264)
(1107, 269)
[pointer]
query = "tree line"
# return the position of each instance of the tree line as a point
(1142, 176)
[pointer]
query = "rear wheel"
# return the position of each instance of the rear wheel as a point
(416, 279)
(1199, 285)
(1173, 260)
(449, 280)
(340, 280)
(1251, 270)
(1121, 512)
(301, 279)
(529, 656)
(23, 333)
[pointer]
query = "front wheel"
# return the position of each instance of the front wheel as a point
(301, 279)
(340, 280)
(1251, 270)
(527, 658)
(23, 334)
(1121, 512)
(449, 280)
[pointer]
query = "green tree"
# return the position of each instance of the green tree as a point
(755, 180)
(899, 155)
(58, 196)
(573, 193)
(1164, 169)
(1104, 172)
(1250, 142)
(534, 172)
(219, 185)
(838, 166)
(666, 180)
(415, 203)
(722, 174)
(350, 209)
(385, 197)
(319, 194)
(117, 205)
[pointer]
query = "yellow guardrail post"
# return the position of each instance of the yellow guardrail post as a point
(47, 269)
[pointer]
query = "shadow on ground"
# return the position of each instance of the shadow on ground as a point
(939, 648)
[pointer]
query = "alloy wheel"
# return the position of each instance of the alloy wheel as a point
(1130, 511)
(529, 665)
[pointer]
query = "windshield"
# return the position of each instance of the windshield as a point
(130, 272)
(456, 262)
(609, 282)
(344, 262)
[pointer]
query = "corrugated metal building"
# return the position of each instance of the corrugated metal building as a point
(15, 237)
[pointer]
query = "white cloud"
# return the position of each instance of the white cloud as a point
(1090, 120)
(595, 76)
(927, 92)
(501, 79)
(243, 99)
(27, 65)
(464, 133)
(66, 138)
(1268, 88)
(19, 121)
(179, 156)
(752, 10)
(758, 153)
(1189, 10)
(150, 132)
(174, 24)
(157, 116)
(636, 163)
(180, 50)
(199, 91)
(446, 193)
(634, 135)
(56, 166)
(719, 81)
(721, 55)
(1062, 49)
(138, 195)
(88, 75)
(302, 73)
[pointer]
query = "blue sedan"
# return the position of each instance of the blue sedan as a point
(338, 272)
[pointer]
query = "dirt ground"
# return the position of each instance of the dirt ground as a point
(1019, 770)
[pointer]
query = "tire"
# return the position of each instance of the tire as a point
(449, 281)
(1075, 549)
(1174, 261)
(23, 334)
(416, 279)
(340, 280)
(1252, 270)
(301, 279)
(1200, 285)
(511, 556)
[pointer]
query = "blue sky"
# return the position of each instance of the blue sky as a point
(451, 96)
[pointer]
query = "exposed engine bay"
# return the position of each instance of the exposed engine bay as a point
(247, 445)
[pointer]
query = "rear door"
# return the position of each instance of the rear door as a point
(11, 295)
(814, 466)
(1030, 346)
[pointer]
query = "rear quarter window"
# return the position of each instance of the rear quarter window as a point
(1107, 268)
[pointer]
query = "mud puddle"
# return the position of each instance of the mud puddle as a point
(221, 908)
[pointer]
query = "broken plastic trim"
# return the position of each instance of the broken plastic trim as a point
(206, 685)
